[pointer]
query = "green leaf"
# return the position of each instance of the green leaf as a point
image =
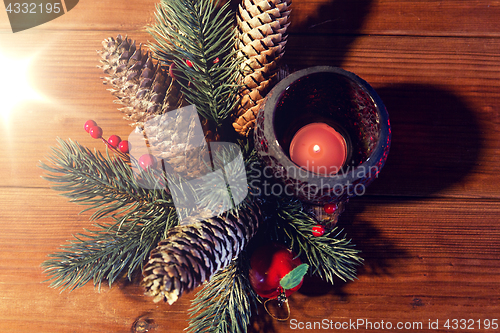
(294, 277)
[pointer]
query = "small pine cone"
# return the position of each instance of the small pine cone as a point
(139, 83)
(262, 26)
(192, 254)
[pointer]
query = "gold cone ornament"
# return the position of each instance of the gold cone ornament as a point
(262, 26)
(191, 254)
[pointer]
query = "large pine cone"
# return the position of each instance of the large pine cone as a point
(148, 92)
(192, 253)
(139, 83)
(262, 26)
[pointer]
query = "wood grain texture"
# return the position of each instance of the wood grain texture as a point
(428, 227)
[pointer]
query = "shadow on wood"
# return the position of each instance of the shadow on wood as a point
(335, 25)
(436, 141)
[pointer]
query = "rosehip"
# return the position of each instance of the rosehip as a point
(124, 146)
(114, 141)
(147, 161)
(95, 132)
(89, 124)
(268, 265)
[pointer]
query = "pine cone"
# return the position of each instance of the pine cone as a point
(192, 253)
(262, 26)
(148, 92)
(178, 139)
(143, 86)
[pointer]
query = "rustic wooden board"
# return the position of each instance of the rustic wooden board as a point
(387, 17)
(428, 227)
(425, 259)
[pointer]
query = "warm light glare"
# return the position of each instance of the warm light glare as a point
(15, 85)
(316, 148)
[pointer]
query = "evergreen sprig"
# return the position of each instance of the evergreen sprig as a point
(199, 37)
(224, 304)
(329, 255)
(107, 252)
(139, 216)
(103, 183)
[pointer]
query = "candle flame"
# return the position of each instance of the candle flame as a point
(316, 148)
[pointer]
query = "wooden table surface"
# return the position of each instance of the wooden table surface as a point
(428, 227)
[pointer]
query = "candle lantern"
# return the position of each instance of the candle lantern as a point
(325, 134)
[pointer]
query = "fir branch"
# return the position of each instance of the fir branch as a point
(105, 184)
(224, 303)
(227, 188)
(106, 252)
(140, 216)
(329, 255)
(200, 32)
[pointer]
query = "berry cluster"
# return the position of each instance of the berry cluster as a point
(117, 144)
(114, 141)
(319, 230)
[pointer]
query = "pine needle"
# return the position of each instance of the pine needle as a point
(139, 217)
(224, 303)
(106, 252)
(199, 37)
(330, 255)
(105, 184)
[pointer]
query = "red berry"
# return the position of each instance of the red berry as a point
(189, 63)
(318, 230)
(89, 124)
(95, 132)
(330, 208)
(114, 141)
(216, 60)
(268, 265)
(147, 161)
(124, 146)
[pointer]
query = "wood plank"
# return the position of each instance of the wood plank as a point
(387, 17)
(393, 17)
(125, 16)
(424, 259)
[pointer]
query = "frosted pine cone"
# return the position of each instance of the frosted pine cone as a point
(262, 26)
(192, 253)
(177, 137)
(139, 83)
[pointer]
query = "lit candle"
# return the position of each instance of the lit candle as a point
(319, 148)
